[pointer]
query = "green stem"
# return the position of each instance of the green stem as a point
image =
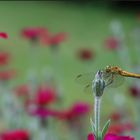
(97, 116)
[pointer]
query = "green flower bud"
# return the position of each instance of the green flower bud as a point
(98, 84)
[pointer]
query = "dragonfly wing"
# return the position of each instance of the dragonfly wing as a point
(88, 89)
(118, 80)
(111, 80)
(85, 79)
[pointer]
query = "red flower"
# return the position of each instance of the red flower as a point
(112, 43)
(4, 57)
(15, 135)
(85, 54)
(22, 90)
(3, 35)
(111, 137)
(7, 75)
(134, 91)
(120, 128)
(53, 40)
(45, 95)
(116, 116)
(33, 33)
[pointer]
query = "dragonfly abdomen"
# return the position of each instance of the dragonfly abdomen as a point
(129, 74)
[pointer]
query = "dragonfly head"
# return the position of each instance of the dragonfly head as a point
(108, 68)
(99, 74)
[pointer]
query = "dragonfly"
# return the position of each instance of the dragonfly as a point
(112, 75)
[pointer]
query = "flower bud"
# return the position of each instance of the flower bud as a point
(98, 84)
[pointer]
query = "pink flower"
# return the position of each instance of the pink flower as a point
(112, 43)
(4, 57)
(53, 40)
(45, 96)
(33, 33)
(3, 35)
(111, 137)
(85, 54)
(17, 134)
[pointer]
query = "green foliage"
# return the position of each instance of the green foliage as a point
(105, 128)
(93, 126)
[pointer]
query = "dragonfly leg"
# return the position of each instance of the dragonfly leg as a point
(110, 81)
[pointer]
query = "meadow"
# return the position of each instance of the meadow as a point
(86, 26)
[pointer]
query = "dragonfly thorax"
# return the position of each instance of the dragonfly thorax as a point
(113, 69)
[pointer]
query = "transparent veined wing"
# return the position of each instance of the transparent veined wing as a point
(111, 80)
(88, 89)
(86, 78)
(118, 80)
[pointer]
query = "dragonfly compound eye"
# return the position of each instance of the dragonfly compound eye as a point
(108, 69)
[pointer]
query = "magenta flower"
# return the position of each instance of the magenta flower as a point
(78, 110)
(33, 33)
(3, 35)
(42, 112)
(45, 95)
(17, 134)
(90, 137)
(112, 43)
(115, 137)
(111, 137)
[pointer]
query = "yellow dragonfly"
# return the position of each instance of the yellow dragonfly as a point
(112, 75)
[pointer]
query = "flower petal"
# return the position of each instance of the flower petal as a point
(3, 35)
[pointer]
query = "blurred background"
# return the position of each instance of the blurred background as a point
(44, 46)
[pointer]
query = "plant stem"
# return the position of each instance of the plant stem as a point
(97, 116)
